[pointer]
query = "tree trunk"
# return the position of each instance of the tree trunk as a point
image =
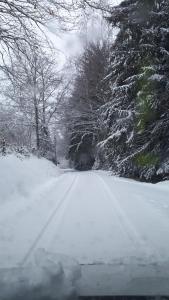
(36, 107)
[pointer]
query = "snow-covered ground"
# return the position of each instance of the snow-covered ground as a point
(20, 176)
(117, 229)
(23, 181)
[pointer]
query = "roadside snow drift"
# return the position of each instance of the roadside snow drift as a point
(24, 184)
(20, 176)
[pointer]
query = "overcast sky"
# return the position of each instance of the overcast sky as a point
(71, 44)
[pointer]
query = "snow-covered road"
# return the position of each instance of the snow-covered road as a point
(91, 216)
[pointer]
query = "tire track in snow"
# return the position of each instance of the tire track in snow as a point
(43, 230)
(128, 227)
(32, 199)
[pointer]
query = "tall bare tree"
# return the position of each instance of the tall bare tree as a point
(35, 91)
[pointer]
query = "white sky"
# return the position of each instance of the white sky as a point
(71, 44)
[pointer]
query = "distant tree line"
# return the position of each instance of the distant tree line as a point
(82, 116)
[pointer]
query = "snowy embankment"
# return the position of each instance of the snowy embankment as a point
(23, 183)
(20, 176)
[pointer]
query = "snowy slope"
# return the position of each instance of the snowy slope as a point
(20, 176)
(22, 182)
(116, 229)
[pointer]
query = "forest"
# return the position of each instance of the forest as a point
(105, 108)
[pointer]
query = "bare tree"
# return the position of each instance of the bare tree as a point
(19, 18)
(35, 90)
(35, 87)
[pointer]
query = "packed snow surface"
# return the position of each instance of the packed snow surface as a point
(117, 229)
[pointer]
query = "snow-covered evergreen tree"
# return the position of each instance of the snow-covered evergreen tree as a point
(137, 116)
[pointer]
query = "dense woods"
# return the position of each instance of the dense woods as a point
(137, 145)
(131, 138)
(113, 113)
(88, 95)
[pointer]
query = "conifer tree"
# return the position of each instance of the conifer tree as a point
(138, 114)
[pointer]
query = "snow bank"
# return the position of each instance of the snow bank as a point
(50, 277)
(46, 276)
(20, 176)
(163, 184)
